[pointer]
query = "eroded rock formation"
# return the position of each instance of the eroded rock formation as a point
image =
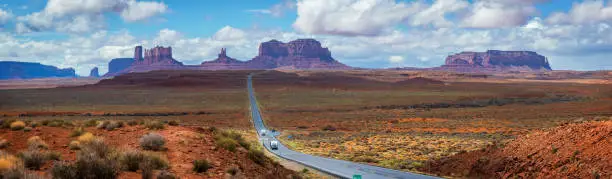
(495, 59)
(94, 72)
(117, 65)
(224, 62)
(297, 54)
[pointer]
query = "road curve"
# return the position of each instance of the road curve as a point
(339, 168)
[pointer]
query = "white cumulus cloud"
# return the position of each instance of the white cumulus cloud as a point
(351, 17)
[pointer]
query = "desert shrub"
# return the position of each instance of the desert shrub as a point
(230, 140)
(305, 170)
(200, 166)
(92, 166)
(90, 123)
(152, 141)
(257, 156)
(63, 170)
(95, 160)
(164, 174)
(233, 170)
(17, 125)
(212, 129)
(35, 142)
(329, 128)
(112, 125)
(102, 124)
(53, 155)
(77, 132)
(68, 124)
(173, 123)
(227, 143)
(131, 160)
(27, 129)
(155, 125)
(54, 124)
(4, 143)
(34, 124)
(86, 137)
(7, 162)
(74, 145)
(6, 124)
(33, 159)
(45, 122)
(96, 147)
(132, 122)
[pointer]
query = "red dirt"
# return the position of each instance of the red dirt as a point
(185, 144)
(581, 150)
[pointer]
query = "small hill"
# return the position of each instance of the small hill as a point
(582, 150)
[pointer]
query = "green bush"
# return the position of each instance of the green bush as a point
(200, 166)
(132, 122)
(227, 143)
(77, 132)
(131, 160)
(152, 141)
(64, 170)
(173, 123)
(6, 124)
(33, 159)
(74, 145)
(155, 125)
(90, 123)
(27, 129)
(95, 160)
(34, 124)
(257, 156)
(45, 122)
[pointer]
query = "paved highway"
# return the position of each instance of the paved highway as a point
(338, 168)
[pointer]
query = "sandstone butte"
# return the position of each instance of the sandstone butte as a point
(493, 60)
(309, 54)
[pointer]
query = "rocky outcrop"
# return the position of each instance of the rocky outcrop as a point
(117, 65)
(497, 60)
(224, 62)
(158, 56)
(26, 70)
(94, 72)
(297, 54)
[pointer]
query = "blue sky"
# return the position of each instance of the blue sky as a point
(573, 34)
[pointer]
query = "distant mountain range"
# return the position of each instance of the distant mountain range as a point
(26, 70)
(302, 54)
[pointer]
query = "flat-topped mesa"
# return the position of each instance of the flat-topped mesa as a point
(156, 56)
(496, 59)
(298, 54)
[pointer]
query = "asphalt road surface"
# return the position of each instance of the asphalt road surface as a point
(338, 168)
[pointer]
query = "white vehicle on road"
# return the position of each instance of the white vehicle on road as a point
(274, 145)
(263, 132)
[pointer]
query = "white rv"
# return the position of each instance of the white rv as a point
(274, 145)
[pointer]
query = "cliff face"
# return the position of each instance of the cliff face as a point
(94, 72)
(26, 70)
(155, 56)
(297, 54)
(495, 59)
(115, 66)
